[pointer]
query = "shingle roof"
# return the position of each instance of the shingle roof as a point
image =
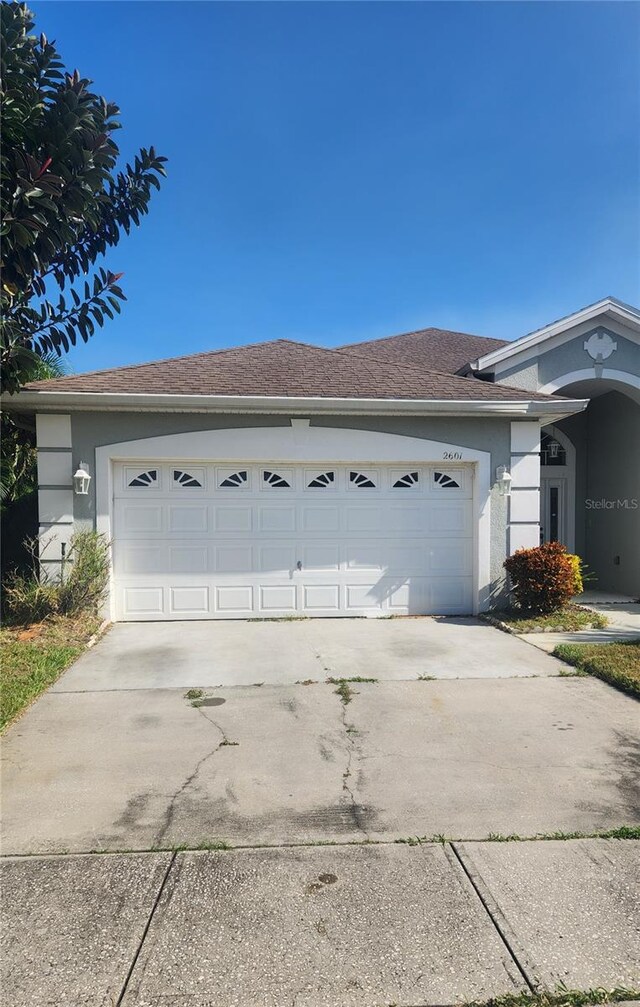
(285, 368)
(432, 349)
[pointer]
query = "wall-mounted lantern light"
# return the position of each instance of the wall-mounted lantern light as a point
(504, 480)
(553, 448)
(81, 480)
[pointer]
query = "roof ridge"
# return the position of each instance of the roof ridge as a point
(402, 364)
(419, 332)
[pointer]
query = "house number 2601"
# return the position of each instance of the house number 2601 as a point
(452, 456)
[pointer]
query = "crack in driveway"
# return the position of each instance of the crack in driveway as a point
(357, 810)
(169, 814)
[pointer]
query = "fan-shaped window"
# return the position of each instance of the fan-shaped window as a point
(447, 482)
(407, 481)
(322, 481)
(273, 479)
(551, 451)
(185, 479)
(145, 479)
(362, 481)
(235, 480)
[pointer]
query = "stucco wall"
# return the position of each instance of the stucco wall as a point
(550, 364)
(612, 485)
(92, 430)
(572, 356)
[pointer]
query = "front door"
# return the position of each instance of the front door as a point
(553, 500)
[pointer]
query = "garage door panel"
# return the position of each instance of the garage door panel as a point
(143, 601)
(189, 558)
(233, 558)
(363, 519)
(321, 597)
(185, 601)
(449, 516)
(386, 557)
(277, 519)
(319, 519)
(363, 596)
(319, 557)
(231, 551)
(235, 599)
(183, 518)
(237, 518)
(408, 519)
(449, 596)
(449, 556)
(135, 560)
(276, 558)
(278, 598)
(400, 597)
(141, 518)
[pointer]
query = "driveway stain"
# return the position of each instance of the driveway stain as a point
(134, 811)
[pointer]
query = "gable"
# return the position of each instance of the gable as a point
(604, 339)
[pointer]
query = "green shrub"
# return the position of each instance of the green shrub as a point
(27, 599)
(85, 573)
(542, 579)
(32, 596)
(578, 578)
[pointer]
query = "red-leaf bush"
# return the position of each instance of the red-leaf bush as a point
(542, 579)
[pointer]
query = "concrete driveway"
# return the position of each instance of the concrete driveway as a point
(116, 757)
(169, 655)
(350, 903)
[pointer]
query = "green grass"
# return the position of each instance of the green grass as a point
(615, 663)
(32, 658)
(623, 832)
(569, 619)
(344, 689)
(562, 997)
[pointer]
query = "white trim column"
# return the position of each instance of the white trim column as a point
(55, 491)
(524, 502)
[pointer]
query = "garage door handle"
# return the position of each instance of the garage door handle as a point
(299, 565)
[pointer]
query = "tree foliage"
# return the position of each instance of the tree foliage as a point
(18, 460)
(63, 201)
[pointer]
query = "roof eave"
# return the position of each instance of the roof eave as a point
(50, 400)
(625, 313)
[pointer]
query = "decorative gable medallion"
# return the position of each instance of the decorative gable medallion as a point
(600, 345)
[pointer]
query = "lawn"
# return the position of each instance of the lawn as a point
(33, 657)
(616, 663)
(569, 619)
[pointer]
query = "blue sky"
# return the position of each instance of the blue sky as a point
(343, 171)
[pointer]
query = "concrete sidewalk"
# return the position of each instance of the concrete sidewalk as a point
(624, 625)
(331, 926)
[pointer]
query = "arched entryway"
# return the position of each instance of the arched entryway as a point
(600, 515)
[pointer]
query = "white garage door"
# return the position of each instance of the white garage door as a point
(202, 541)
